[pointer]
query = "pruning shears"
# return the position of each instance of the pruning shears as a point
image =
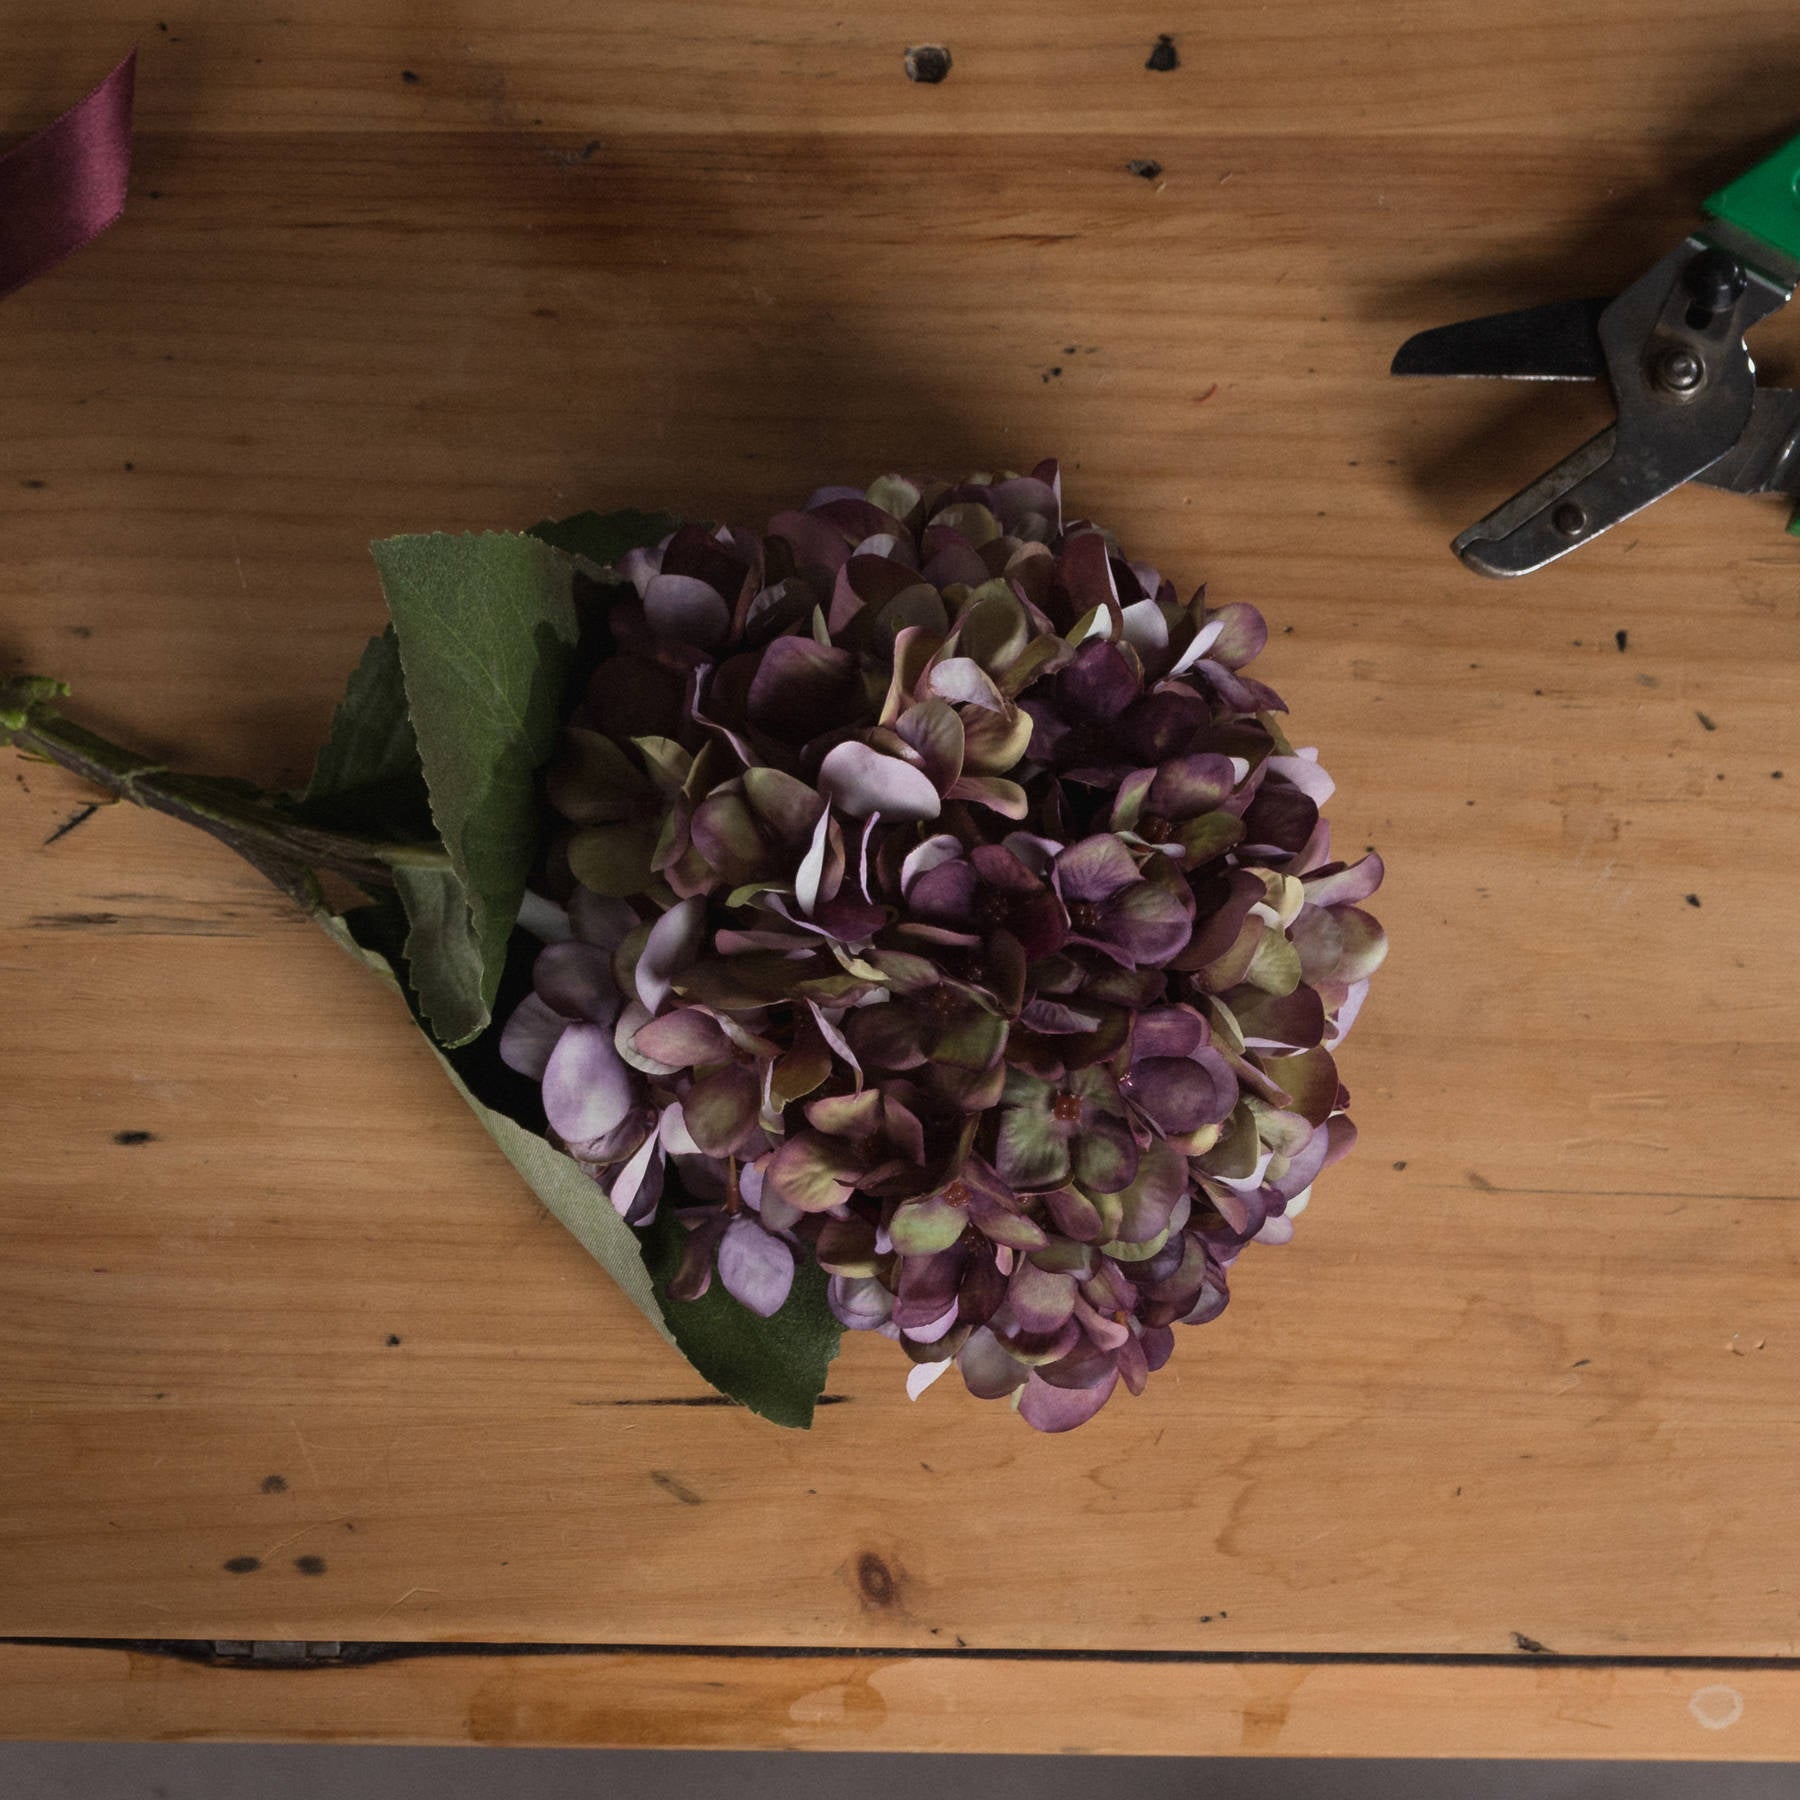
(1672, 348)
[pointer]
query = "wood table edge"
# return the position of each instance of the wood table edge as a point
(648, 1698)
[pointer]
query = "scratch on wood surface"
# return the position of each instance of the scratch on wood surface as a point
(393, 1605)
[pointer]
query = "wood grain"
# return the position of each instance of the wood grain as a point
(1529, 1370)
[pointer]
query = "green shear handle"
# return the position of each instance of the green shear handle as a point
(1765, 201)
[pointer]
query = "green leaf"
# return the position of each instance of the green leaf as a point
(774, 1366)
(368, 775)
(603, 538)
(486, 625)
(443, 960)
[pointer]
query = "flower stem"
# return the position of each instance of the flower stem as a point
(276, 841)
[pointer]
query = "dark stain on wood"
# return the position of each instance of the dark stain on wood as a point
(1145, 166)
(310, 1565)
(80, 816)
(679, 1489)
(1529, 1645)
(1163, 56)
(134, 1137)
(242, 1565)
(274, 1484)
(927, 63)
(875, 1580)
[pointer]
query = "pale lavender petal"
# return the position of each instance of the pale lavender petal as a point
(1203, 641)
(756, 1267)
(673, 944)
(927, 856)
(637, 1187)
(964, 682)
(530, 1035)
(858, 1302)
(1344, 886)
(931, 1333)
(587, 1088)
(829, 1030)
(921, 1375)
(1304, 772)
(1275, 1231)
(640, 565)
(1146, 630)
(862, 781)
(1345, 1016)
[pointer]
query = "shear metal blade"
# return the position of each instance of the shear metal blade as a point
(1766, 459)
(1559, 342)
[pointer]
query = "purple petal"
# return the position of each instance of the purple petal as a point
(688, 609)
(530, 1035)
(862, 781)
(1162, 725)
(1280, 816)
(1098, 684)
(575, 979)
(1040, 1299)
(720, 1110)
(995, 792)
(989, 1371)
(945, 895)
(756, 1268)
(587, 1088)
(1181, 1094)
(672, 945)
(1150, 922)
(788, 807)
(927, 856)
(1293, 1021)
(811, 1172)
(801, 687)
(683, 1039)
(599, 919)
(817, 542)
(1048, 1408)
(1150, 1201)
(1310, 1080)
(928, 1286)
(936, 732)
(1168, 1031)
(1095, 869)
(1242, 637)
(1191, 785)
(1056, 1020)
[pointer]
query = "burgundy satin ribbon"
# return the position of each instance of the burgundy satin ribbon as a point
(63, 187)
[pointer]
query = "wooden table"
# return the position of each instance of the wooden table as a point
(1498, 1458)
